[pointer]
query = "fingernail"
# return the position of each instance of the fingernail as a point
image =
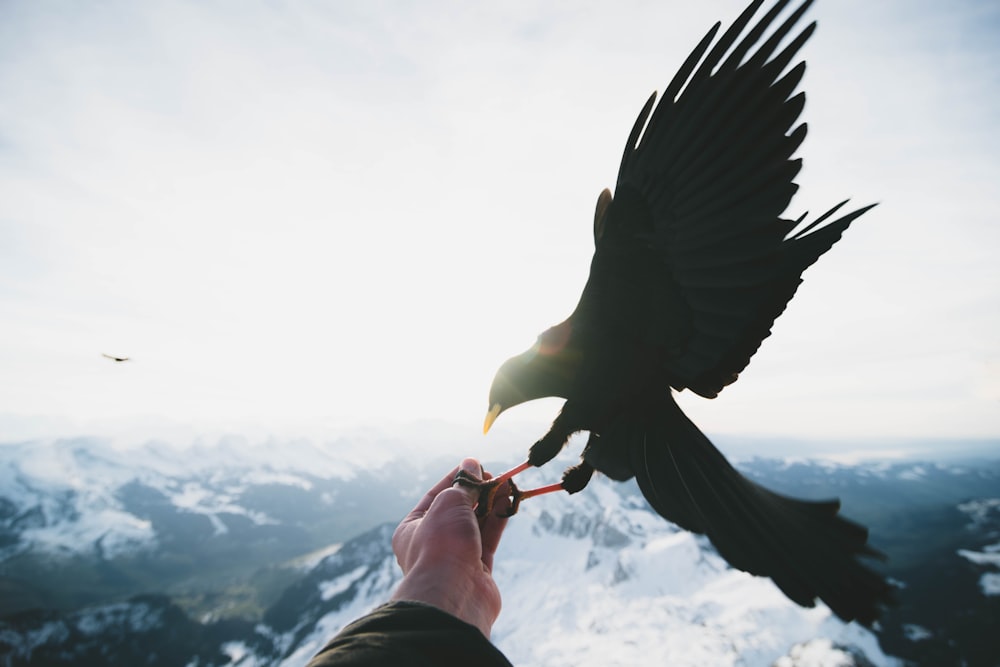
(472, 466)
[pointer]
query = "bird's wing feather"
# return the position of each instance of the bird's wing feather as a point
(704, 180)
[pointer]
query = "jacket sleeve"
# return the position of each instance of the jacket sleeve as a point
(410, 633)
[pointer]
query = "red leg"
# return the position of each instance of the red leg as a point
(542, 490)
(488, 489)
(517, 495)
(516, 470)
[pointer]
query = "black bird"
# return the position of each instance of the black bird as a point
(693, 263)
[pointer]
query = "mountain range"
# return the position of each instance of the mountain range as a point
(234, 553)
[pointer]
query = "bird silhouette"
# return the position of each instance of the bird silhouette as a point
(114, 358)
(692, 265)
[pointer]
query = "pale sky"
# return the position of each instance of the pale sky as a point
(332, 213)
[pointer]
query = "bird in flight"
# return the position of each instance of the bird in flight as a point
(693, 262)
(114, 358)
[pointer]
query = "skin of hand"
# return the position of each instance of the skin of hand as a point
(446, 552)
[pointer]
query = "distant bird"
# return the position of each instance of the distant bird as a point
(693, 263)
(113, 358)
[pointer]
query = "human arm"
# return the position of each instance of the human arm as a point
(446, 552)
(445, 605)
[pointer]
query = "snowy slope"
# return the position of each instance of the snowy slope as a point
(608, 582)
(595, 578)
(598, 579)
(70, 497)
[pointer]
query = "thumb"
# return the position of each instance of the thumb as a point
(472, 468)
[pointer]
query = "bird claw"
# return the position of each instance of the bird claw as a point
(467, 479)
(488, 489)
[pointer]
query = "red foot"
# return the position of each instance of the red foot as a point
(488, 489)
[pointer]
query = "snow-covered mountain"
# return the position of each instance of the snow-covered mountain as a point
(83, 495)
(595, 578)
(598, 582)
(608, 582)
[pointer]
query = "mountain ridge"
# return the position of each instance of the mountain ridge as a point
(619, 583)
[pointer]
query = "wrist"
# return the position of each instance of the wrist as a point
(453, 591)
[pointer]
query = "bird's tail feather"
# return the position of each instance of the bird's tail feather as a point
(806, 547)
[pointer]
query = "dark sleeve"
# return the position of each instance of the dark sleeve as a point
(409, 633)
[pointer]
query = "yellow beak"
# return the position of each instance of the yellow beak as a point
(491, 417)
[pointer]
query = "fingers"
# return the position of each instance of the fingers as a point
(473, 468)
(491, 527)
(458, 496)
(445, 498)
(469, 465)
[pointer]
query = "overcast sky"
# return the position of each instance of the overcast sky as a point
(334, 213)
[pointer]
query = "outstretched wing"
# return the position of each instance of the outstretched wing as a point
(703, 185)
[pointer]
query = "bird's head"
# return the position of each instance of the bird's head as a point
(547, 368)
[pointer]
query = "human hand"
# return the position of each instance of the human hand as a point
(446, 552)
